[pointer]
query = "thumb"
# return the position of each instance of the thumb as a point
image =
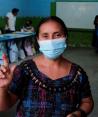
(5, 60)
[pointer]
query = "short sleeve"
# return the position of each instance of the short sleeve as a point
(17, 81)
(8, 15)
(85, 85)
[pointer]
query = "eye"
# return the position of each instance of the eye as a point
(44, 36)
(58, 35)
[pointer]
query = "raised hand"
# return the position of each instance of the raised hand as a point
(5, 73)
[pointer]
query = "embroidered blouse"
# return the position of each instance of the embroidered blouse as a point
(39, 96)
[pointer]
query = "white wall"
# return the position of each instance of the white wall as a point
(77, 14)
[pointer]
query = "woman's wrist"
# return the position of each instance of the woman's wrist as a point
(82, 112)
(76, 114)
(79, 113)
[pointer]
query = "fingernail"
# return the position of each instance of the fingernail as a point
(4, 56)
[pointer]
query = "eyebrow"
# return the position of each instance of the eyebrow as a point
(44, 33)
(53, 33)
(57, 32)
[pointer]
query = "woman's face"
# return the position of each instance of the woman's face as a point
(50, 30)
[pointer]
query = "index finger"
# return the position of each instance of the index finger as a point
(5, 60)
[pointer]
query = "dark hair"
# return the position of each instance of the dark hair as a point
(15, 10)
(29, 20)
(95, 20)
(52, 18)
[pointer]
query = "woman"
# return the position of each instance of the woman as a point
(47, 85)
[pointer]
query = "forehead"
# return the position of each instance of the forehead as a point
(50, 26)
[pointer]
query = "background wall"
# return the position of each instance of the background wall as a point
(27, 7)
(32, 7)
(74, 0)
(7, 5)
(39, 7)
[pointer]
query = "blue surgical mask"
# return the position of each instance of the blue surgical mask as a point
(52, 48)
